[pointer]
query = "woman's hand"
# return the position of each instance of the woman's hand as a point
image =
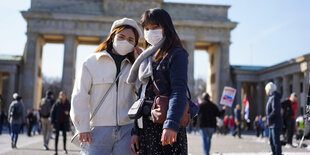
(169, 136)
(136, 52)
(85, 137)
(134, 141)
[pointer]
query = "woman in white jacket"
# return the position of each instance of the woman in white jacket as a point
(111, 125)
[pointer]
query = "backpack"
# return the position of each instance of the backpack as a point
(15, 111)
(286, 110)
(45, 107)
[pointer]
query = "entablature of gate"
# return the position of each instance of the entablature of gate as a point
(290, 67)
(8, 68)
(93, 18)
(99, 26)
(132, 8)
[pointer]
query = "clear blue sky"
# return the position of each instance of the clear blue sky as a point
(268, 33)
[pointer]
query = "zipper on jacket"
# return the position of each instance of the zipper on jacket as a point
(116, 91)
(117, 95)
(122, 63)
(116, 105)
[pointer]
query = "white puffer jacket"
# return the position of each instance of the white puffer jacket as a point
(94, 79)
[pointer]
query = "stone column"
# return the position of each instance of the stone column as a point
(285, 84)
(31, 70)
(306, 82)
(253, 102)
(68, 74)
(1, 93)
(190, 48)
(1, 83)
(220, 73)
(11, 88)
(238, 95)
(223, 70)
(259, 98)
(277, 83)
(296, 85)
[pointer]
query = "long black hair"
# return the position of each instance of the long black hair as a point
(162, 18)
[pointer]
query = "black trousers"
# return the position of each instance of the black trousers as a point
(64, 134)
(30, 126)
(258, 131)
(237, 131)
(290, 129)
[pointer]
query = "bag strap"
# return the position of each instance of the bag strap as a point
(105, 96)
(142, 96)
(156, 90)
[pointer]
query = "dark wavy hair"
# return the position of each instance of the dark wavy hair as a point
(162, 18)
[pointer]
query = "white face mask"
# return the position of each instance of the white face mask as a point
(153, 36)
(122, 47)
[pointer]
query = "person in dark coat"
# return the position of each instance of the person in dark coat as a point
(274, 118)
(257, 126)
(2, 119)
(289, 108)
(31, 119)
(238, 119)
(206, 120)
(16, 117)
(60, 119)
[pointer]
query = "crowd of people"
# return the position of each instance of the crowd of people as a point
(117, 73)
(280, 120)
(51, 116)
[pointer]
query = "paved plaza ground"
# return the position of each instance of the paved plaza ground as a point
(225, 145)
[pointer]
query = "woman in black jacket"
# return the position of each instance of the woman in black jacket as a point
(60, 119)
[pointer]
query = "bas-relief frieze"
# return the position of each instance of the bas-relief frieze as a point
(192, 11)
(132, 8)
(100, 28)
(69, 27)
(203, 34)
(129, 9)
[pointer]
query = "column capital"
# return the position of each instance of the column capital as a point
(32, 34)
(190, 48)
(286, 76)
(189, 44)
(102, 38)
(35, 37)
(71, 37)
(225, 43)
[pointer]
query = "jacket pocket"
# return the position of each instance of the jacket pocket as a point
(100, 86)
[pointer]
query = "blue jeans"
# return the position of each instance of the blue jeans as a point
(0, 129)
(231, 130)
(266, 132)
(274, 138)
(109, 140)
(206, 139)
(15, 128)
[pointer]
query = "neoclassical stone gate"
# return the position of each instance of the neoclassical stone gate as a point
(75, 22)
